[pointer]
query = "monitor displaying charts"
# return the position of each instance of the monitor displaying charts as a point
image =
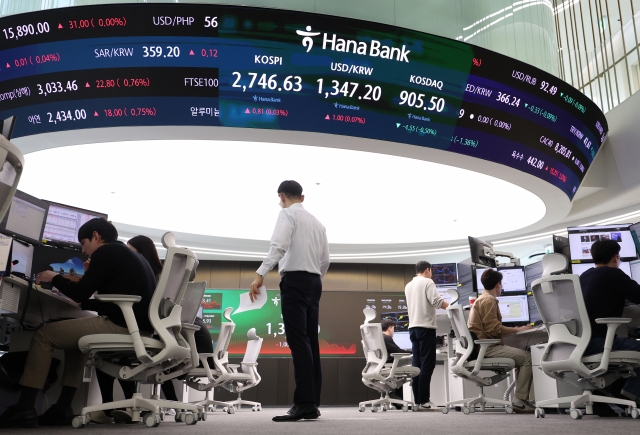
(580, 268)
(581, 239)
(444, 274)
(513, 279)
(63, 223)
(514, 308)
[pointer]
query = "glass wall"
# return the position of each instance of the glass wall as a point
(598, 45)
(523, 29)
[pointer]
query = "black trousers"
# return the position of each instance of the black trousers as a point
(300, 293)
(423, 342)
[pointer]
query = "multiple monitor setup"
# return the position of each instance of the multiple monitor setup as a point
(35, 222)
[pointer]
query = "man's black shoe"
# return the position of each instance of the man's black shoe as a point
(55, 416)
(298, 411)
(15, 418)
(311, 417)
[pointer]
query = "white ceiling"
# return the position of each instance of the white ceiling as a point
(228, 189)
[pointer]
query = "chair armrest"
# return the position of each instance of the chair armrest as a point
(190, 326)
(399, 355)
(125, 302)
(612, 325)
(484, 345)
(233, 366)
(118, 298)
(613, 320)
(249, 364)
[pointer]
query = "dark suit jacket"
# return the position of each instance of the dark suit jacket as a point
(392, 347)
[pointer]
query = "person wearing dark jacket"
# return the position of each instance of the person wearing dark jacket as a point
(114, 269)
(388, 329)
(605, 289)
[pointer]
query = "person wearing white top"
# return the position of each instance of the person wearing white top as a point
(299, 247)
(422, 301)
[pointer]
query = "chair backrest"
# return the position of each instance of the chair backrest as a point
(464, 342)
(455, 296)
(375, 350)
(561, 305)
(553, 264)
(11, 165)
(191, 301)
(221, 352)
(254, 344)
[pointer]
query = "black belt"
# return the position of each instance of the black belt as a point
(298, 273)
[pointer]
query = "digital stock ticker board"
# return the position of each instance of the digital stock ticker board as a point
(209, 65)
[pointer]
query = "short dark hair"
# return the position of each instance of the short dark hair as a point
(386, 324)
(421, 266)
(290, 189)
(603, 251)
(490, 279)
(101, 226)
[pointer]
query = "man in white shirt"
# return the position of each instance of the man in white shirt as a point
(422, 301)
(299, 247)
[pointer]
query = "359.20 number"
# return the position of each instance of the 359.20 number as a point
(156, 51)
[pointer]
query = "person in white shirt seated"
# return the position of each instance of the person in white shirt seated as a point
(423, 300)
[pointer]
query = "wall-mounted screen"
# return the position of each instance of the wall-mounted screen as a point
(581, 239)
(212, 65)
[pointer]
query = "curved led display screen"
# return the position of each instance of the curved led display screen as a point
(210, 65)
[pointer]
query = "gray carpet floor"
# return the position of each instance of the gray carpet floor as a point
(347, 420)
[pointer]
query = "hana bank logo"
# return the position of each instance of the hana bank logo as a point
(307, 41)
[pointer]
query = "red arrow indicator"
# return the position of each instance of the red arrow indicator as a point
(327, 117)
(247, 111)
(8, 66)
(95, 113)
(60, 26)
(87, 85)
(191, 53)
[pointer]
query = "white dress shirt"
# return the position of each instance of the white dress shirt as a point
(299, 243)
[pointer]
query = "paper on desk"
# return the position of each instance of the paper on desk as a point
(247, 305)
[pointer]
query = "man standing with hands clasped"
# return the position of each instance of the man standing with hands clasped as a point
(299, 246)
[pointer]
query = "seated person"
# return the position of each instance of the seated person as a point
(605, 289)
(388, 329)
(114, 269)
(485, 321)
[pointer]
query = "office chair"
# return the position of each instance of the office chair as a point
(11, 166)
(561, 305)
(467, 368)
(219, 357)
(150, 358)
(378, 375)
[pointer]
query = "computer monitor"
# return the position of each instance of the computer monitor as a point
(513, 279)
(514, 309)
(482, 252)
(634, 266)
(25, 219)
(580, 268)
(63, 223)
(22, 254)
(402, 340)
(534, 314)
(581, 239)
(444, 274)
(532, 272)
(635, 235)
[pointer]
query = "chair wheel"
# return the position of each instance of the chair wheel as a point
(635, 413)
(190, 419)
(405, 408)
(79, 421)
(576, 414)
(152, 420)
(473, 409)
(445, 410)
(202, 415)
(508, 409)
(374, 409)
(231, 410)
(466, 410)
(539, 413)
(361, 408)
